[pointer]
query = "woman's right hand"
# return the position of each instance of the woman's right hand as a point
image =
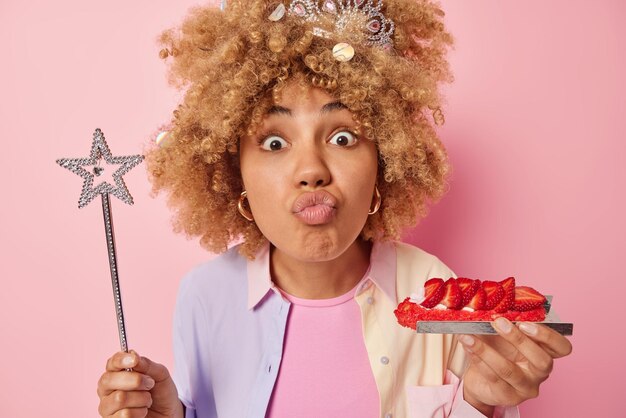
(147, 391)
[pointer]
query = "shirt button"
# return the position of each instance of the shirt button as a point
(364, 286)
(269, 368)
(370, 300)
(384, 360)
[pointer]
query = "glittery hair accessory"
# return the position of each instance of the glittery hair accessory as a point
(336, 17)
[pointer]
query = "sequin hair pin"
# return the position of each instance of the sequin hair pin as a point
(89, 168)
(335, 17)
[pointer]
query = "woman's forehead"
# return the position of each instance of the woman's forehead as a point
(296, 94)
(297, 99)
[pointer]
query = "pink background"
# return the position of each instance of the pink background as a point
(535, 129)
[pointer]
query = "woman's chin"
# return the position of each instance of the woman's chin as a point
(320, 246)
(313, 248)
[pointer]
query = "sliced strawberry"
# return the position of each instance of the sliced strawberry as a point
(433, 291)
(527, 299)
(468, 288)
(478, 300)
(495, 293)
(507, 301)
(452, 296)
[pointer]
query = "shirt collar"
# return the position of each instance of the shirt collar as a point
(383, 268)
(259, 279)
(382, 273)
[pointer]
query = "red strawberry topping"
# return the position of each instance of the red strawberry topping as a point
(478, 301)
(534, 315)
(407, 313)
(527, 299)
(452, 296)
(506, 303)
(489, 300)
(495, 293)
(469, 287)
(433, 291)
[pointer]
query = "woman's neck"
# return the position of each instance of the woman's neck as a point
(320, 279)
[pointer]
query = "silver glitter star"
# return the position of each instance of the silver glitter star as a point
(100, 149)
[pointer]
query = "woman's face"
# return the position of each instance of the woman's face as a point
(310, 179)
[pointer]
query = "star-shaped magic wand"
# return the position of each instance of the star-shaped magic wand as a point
(100, 150)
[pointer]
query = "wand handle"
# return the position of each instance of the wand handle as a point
(117, 295)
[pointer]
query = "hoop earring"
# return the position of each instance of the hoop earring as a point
(379, 200)
(243, 211)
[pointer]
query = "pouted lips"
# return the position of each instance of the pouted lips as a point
(315, 208)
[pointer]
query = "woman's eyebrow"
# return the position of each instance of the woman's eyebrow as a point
(332, 106)
(278, 110)
(327, 108)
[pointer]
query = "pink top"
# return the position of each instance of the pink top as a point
(324, 354)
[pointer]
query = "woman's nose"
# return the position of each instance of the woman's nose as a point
(311, 169)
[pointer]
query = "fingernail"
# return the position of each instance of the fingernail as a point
(128, 361)
(503, 325)
(528, 328)
(148, 381)
(467, 340)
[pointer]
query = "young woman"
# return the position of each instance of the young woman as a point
(306, 134)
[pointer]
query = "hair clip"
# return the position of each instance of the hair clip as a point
(334, 17)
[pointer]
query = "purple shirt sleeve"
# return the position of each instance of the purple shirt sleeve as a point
(181, 375)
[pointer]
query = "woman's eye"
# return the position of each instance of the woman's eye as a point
(343, 139)
(273, 143)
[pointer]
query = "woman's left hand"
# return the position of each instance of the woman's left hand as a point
(507, 369)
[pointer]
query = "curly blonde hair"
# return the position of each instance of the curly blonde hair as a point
(232, 66)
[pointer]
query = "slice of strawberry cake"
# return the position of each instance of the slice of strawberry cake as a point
(465, 299)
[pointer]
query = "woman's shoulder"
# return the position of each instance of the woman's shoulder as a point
(414, 266)
(409, 253)
(225, 273)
